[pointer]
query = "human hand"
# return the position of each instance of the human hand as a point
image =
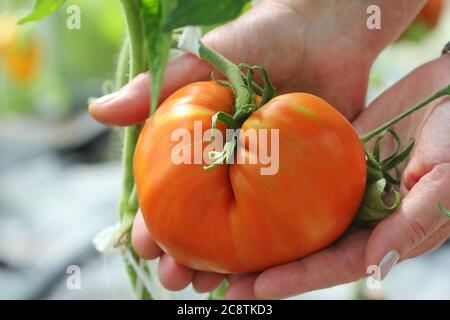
(414, 229)
(306, 57)
(320, 47)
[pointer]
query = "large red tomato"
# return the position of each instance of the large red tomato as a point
(232, 218)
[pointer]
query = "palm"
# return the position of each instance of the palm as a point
(300, 69)
(298, 60)
(414, 229)
(302, 53)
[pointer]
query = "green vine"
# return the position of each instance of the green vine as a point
(128, 204)
(368, 136)
(380, 184)
(244, 90)
(233, 74)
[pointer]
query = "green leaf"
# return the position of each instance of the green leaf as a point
(373, 206)
(397, 144)
(373, 174)
(41, 9)
(377, 147)
(390, 179)
(399, 158)
(206, 28)
(159, 41)
(203, 12)
(161, 17)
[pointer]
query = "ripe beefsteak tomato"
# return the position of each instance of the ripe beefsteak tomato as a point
(231, 218)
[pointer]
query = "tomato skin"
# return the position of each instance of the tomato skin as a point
(232, 218)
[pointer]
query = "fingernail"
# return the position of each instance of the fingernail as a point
(106, 98)
(388, 262)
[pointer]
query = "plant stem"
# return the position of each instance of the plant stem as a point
(123, 65)
(135, 31)
(128, 202)
(231, 71)
(135, 36)
(129, 144)
(366, 137)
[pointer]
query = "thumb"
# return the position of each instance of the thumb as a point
(131, 104)
(415, 221)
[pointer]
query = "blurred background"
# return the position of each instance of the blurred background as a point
(60, 171)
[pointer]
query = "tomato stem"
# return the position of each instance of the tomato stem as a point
(366, 137)
(231, 71)
(135, 40)
(244, 89)
(226, 118)
(380, 182)
(123, 65)
(269, 90)
(135, 32)
(223, 156)
(128, 201)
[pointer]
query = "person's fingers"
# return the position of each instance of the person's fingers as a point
(416, 219)
(206, 281)
(232, 277)
(174, 276)
(340, 263)
(142, 241)
(242, 288)
(127, 106)
(432, 242)
(131, 104)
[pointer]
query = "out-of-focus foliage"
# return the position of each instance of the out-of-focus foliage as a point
(41, 9)
(161, 17)
(50, 69)
(18, 49)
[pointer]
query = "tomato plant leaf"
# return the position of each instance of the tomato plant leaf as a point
(41, 9)
(203, 12)
(159, 41)
(399, 158)
(377, 147)
(373, 206)
(398, 143)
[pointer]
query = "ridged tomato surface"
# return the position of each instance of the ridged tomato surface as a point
(232, 218)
